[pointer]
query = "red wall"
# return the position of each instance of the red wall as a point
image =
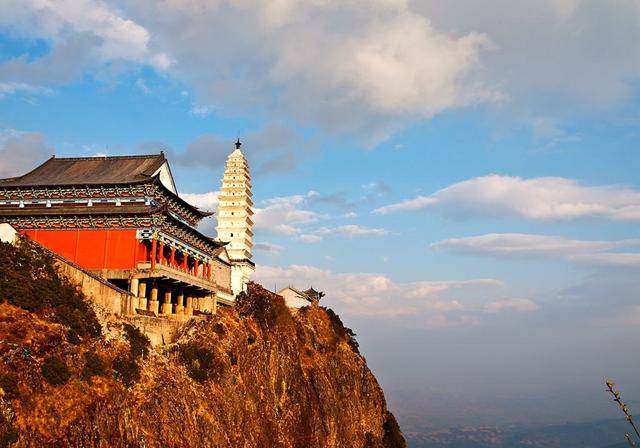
(94, 249)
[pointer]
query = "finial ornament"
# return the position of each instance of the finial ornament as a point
(238, 143)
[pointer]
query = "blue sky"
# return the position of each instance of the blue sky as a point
(461, 178)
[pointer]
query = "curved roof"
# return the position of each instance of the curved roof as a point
(67, 171)
(108, 170)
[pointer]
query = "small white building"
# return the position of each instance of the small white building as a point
(294, 298)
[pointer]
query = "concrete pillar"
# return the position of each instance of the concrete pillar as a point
(142, 290)
(180, 303)
(188, 308)
(133, 300)
(153, 302)
(134, 286)
(142, 296)
(167, 307)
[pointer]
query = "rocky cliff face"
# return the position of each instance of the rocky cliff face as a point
(253, 376)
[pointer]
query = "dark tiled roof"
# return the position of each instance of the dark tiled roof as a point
(89, 171)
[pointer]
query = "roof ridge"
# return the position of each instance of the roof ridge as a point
(126, 156)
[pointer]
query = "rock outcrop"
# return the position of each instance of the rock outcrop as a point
(252, 376)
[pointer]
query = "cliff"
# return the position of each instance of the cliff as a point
(251, 376)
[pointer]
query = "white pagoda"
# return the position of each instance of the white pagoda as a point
(234, 218)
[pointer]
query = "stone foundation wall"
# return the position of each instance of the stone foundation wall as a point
(97, 290)
(161, 330)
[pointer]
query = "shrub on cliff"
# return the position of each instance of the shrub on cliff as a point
(125, 366)
(55, 371)
(138, 342)
(29, 280)
(341, 330)
(267, 308)
(200, 362)
(8, 434)
(94, 365)
(126, 369)
(392, 435)
(9, 385)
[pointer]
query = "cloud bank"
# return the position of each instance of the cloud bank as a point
(538, 199)
(519, 245)
(432, 304)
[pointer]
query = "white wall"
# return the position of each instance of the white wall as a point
(7, 233)
(293, 299)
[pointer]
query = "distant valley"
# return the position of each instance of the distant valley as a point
(596, 434)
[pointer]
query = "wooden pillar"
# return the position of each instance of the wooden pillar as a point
(196, 265)
(167, 307)
(180, 303)
(154, 248)
(185, 260)
(153, 302)
(172, 260)
(161, 253)
(142, 296)
(209, 271)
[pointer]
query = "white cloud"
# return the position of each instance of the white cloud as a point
(521, 305)
(201, 111)
(10, 88)
(308, 238)
(621, 259)
(542, 198)
(84, 38)
(585, 62)
(344, 66)
(21, 151)
(340, 65)
(285, 215)
(352, 230)
(143, 87)
(207, 201)
(408, 205)
(422, 303)
(509, 245)
(112, 35)
(265, 246)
